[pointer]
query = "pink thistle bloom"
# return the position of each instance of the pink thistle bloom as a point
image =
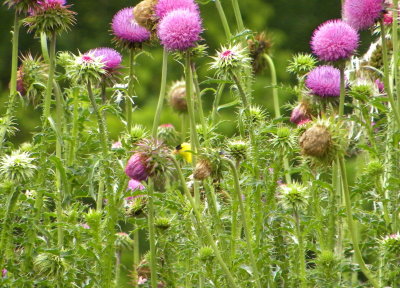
(116, 145)
(167, 126)
(324, 81)
(163, 7)
(135, 185)
(4, 273)
(125, 27)
(379, 84)
(303, 122)
(51, 4)
(362, 14)
(110, 57)
(180, 30)
(299, 114)
(85, 226)
(141, 280)
(137, 167)
(334, 40)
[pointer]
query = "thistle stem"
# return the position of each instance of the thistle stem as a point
(386, 76)
(161, 98)
(223, 19)
(131, 87)
(152, 236)
(217, 100)
(189, 100)
(350, 224)
(244, 221)
(342, 91)
(301, 260)
(49, 88)
(199, 102)
(43, 45)
(13, 82)
(238, 15)
(395, 38)
(274, 82)
(204, 230)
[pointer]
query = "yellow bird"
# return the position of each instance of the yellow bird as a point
(185, 150)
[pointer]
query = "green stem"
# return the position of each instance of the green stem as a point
(152, 236)
(12, 201)
(13, 82)
(274, 82)
(189, 94)
(204, 229)
(385, 201)
(386, 76)
(131, 87)
(350, 224)
(244, 222)
(183, 127)
(199, 102)
(49, 88)
(302, 259)
(342, 91)
(238, 15)
(223, 19)
(395, 38)
(161, 98)
(59, 148)
(217, 100)
(75, 127)
(43, 45)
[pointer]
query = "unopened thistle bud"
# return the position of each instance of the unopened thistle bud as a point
(162, 223)
(206, 254)
(123, 241)
(135, 206)
(361, 92)
(177, 97)
(238, 149)
(230, 59)
(31, 78)
(85, 67)
(293, 196)
(375, 169)
(257, 114)
(22, 6)
(391, 245)
(167, 134)
(301, 64)
(93, 219)
(17, 167)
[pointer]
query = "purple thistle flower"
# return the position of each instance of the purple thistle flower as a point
(125, 27)
(379, 84)
(334, 40)
(362, 14)
(4, 273)
(51, 4)
(163, 7)
(324, 81)
(299, 114)
(137, 167)
(111, 58)
(135, 185)
(180, 30)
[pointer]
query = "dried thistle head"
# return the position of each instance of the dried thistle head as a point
(144, 13)
(259, 45)
(203, 169)
(177, 97)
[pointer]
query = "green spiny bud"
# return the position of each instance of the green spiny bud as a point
(301, 64)
(162, 223)
(293, 196)
(206, 254)
(238, 149)
(17, 167)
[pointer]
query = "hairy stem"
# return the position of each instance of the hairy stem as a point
(161, 98)
(223, 19)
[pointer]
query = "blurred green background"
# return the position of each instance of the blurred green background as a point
(288, 23)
